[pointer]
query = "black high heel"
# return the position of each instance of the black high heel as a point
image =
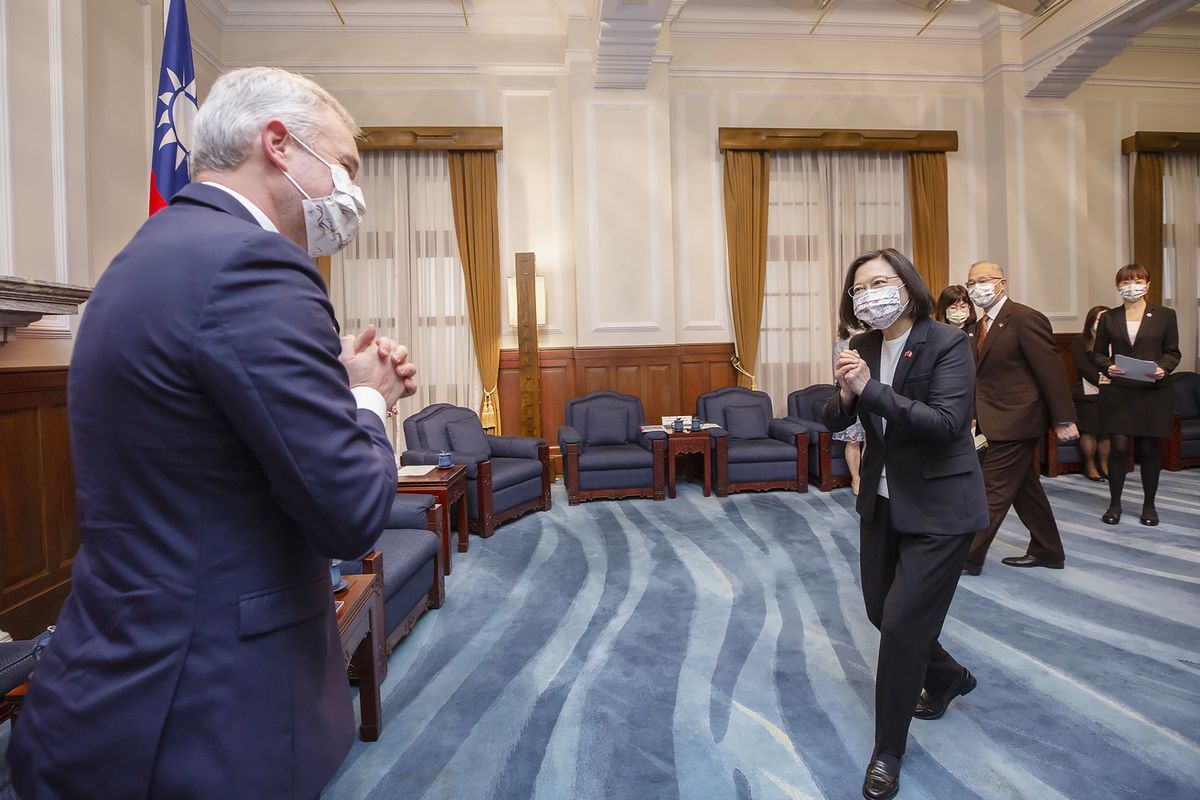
(1112, 516)
(1149, 516)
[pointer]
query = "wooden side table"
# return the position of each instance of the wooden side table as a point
(689, 442)
(448, 486)
(361, 626)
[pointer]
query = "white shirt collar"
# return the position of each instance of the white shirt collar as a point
(995, 309)
(261, 218)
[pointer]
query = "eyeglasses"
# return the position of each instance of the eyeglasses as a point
(877, 283)
(982, 280)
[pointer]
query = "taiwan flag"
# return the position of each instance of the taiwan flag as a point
(175, 109)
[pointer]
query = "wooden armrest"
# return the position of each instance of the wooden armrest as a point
(372, 563)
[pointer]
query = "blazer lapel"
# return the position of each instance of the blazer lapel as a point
(916, 338)
(1118, 317)
(996, 328)
(869, 350)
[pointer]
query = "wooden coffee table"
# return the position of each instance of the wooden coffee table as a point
(689, 442)
(448, 486)
(360, 624)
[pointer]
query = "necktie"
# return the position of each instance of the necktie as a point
(983, 329)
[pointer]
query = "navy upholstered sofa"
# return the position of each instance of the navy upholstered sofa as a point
(408, 555)
(1183, 448)
(507, 476)
(605, 454)
(759, 452)
(826, 456)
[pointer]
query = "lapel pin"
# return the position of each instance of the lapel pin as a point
(1149, 313)
(908, 353)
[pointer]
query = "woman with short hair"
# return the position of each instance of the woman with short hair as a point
(954, 307)
(1129, 406)
(911, 382)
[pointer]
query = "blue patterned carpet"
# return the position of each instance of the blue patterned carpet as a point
(708, 649)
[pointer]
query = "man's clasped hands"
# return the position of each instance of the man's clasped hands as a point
(379, 363)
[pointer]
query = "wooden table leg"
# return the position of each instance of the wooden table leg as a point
(707, 473)
(670, 473)
(365, 664)
(463, 539)
(446, 530)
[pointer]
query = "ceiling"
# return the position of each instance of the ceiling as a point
(624, 36)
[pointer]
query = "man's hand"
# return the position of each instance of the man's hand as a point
(1158, 374)
(1115, 372)
(383, 367)
(1066, 433)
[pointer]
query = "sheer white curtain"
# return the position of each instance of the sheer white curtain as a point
(825, 209)
(1181, 249)
(403, 273)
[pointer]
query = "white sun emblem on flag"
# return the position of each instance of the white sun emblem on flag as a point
(179, 111)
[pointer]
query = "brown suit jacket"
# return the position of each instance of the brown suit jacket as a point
(1021, 385)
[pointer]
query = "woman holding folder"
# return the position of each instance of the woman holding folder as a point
(1139, 402)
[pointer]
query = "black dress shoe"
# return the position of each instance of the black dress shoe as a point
(1030, 561)
(1149, 516)
(881, 781)
(1112, 516)
(972, 569)
(928, 708)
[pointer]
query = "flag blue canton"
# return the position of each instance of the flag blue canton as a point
(175, 109)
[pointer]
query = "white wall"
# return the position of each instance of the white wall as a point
(618, 192)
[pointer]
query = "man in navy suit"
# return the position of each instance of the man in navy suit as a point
(226, 445)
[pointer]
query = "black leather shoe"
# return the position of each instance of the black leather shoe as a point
(1030, 561)
(1112, 516)
(928, 708)
(881, 781)
(1149, 516)
(972, 569)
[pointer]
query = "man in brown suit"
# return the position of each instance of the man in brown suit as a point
(1020, 388)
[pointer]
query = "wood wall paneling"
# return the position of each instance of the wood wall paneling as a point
(667, 378)
(39, 533)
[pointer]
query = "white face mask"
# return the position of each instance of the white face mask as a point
(331, 222)
(1134, 291)
(957, 316)
(982, 294)
(879, 307)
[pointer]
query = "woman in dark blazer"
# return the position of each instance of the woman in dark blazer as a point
(911, 383)
(1137, 408)
(1093, 443)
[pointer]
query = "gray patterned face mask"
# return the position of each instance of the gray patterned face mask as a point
(879, 307)
(331, 222)
(1133, 291)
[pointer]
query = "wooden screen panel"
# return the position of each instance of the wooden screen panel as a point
(666, 378)
(21, 512)
(38, 529)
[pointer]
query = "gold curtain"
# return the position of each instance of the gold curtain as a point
(477, 228)
(1147, 202)
(747, 188)
(929, 206)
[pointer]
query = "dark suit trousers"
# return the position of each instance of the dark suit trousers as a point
(1010, 475)
(908, 581)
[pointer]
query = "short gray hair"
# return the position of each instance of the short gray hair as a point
(243, 101)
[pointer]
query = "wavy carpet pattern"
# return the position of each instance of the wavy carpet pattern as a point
(713, 648)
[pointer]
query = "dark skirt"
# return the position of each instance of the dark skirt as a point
(1088, 410)
(1134, 411)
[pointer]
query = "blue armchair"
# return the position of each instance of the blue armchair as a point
(408, 556)
(507, 476)
(759, 453)
(605, 454)
(1183, 448)
(826, 456)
